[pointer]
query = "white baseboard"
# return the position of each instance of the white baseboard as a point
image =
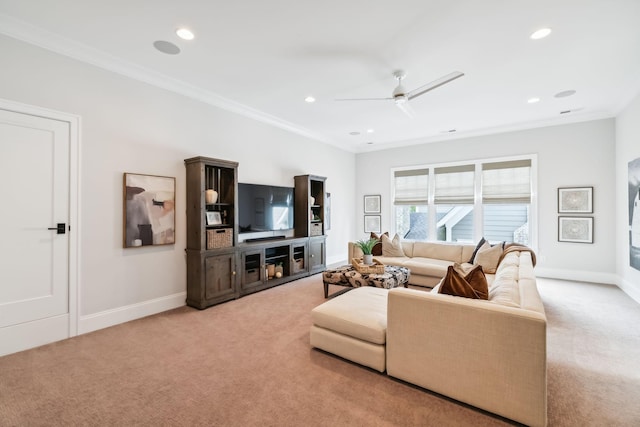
(630, 289)
(104, 319)
(33, 334)
(577, 275)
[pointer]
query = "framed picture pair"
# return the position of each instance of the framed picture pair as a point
(372, 223)
(575, 200)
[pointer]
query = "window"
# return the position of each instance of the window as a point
(410, 201)
(454, 197)
(464, 202)
(506, 198)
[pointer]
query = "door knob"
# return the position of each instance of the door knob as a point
(60, 228)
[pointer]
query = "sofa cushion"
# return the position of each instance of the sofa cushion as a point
(377, 248)
(360, 313)
(407, 247)
(488, 257)
(427, 266)
(439, 250)
(456, 283)
(392, 247)
(475, 251)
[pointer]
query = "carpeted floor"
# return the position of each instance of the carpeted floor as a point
(248, 362)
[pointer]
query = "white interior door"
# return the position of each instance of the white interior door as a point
(34, 260)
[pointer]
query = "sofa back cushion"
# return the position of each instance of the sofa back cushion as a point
(446, 251)
(407, 247)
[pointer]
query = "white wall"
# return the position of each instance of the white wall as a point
(129, 126)
(579, 154)
(627, 149)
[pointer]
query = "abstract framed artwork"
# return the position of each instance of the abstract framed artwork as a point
(576, 200)
(575, 229)
(372, 223)
(148, 210)
(372, 204)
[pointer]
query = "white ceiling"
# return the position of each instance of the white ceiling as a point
(262, 58)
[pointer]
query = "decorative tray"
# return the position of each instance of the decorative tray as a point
(376, 268)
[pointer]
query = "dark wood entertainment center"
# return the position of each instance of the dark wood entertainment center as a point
(219, 267)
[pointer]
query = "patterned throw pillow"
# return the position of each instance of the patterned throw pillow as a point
(392, 247)
(470, 285)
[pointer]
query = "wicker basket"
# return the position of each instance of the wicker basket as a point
(376, 268)
(220, 238)
(316, 229)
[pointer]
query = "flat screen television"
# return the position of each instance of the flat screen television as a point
(264, 207)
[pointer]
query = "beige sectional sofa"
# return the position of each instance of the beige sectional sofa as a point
(487, 353)
(428, 261)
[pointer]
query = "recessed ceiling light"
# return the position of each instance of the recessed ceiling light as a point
(565, 93)
(166, 47)
(540, 34)
(533, 100)
(369, 130)
(185, 34)
(309, 99)
(354, 133)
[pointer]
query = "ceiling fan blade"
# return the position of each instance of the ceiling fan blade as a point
(406, 108)
(363, 99)
(434, 84)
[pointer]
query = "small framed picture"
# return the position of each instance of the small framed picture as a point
(372, 223)
(213, 218)
(372, 204)
(575, 229)
(575, 200)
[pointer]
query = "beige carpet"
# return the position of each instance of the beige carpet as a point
(248, 363)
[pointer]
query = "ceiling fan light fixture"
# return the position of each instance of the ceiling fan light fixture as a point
(540, 34)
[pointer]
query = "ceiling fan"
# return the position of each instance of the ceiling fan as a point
(401, 96)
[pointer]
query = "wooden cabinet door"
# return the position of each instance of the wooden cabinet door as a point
(220, 276)
(252, 267)
(316, 255)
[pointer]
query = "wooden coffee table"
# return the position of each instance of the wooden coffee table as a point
(349, 277)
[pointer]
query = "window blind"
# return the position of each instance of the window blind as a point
(506, 182)
(411, 187)
(454, 185)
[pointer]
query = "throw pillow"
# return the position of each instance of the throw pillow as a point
(488, 257)
(478, 281)
(479, 245)
(475, 251)
(392, 247)
(377, 248)
(456, 284)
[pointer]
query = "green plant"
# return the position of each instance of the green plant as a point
(366, 245)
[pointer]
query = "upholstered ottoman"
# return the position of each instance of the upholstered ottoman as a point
(354, 326)
(347, 275)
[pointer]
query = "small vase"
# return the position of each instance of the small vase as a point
(210, 196)
(367, 259)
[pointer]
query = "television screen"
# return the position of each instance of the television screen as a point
(264, 207)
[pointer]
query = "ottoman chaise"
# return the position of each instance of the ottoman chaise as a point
(353, 326)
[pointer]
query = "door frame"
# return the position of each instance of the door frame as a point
(74, 122)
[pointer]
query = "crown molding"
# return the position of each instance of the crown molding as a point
(555, 121)
(45, 39)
